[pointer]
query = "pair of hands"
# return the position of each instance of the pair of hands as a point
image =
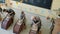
(36, 23)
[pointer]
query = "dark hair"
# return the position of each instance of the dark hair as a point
(5, 10)
(0, 9)
(11, 10)
(22, 12)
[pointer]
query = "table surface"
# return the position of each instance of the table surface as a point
(57, 26)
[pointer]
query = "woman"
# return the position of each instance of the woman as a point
(37, 21)
(9, 11)
(53, 24)
(0, 17)
(0, 9)
(22, 16)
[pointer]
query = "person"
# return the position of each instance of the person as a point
(0, 13)
(52, 27)
(37, 21)
(0, 9)
(22, 16)
(5, 12)
(0, 17)
(11, 12)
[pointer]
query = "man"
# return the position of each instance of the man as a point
(11, 12)
(37, 21)
(0, 13)
(53, 24)
(0, 9)
(5, 10)
(22, 16)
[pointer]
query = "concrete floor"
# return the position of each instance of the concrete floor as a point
(46, 24)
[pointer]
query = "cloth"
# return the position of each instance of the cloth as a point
(37, 22)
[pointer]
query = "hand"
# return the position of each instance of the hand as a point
(34, 24)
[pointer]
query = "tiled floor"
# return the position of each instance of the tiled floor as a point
(45, 24)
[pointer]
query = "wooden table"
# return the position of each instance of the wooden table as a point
(7, 21)
(57, 26)
(33, 29)
(18, 27)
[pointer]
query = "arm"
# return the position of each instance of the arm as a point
(39, 23)
(11, 13)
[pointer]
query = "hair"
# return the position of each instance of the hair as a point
(5, 10)
(33, 17)
(22, 12)
(11, 10)
(0, 9)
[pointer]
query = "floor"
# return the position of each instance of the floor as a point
(46, 24)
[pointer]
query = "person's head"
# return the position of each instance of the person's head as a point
(5, 10)
(52, 18)
(48, 17)
(11, 11)
(33, 17)
(22, 12)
